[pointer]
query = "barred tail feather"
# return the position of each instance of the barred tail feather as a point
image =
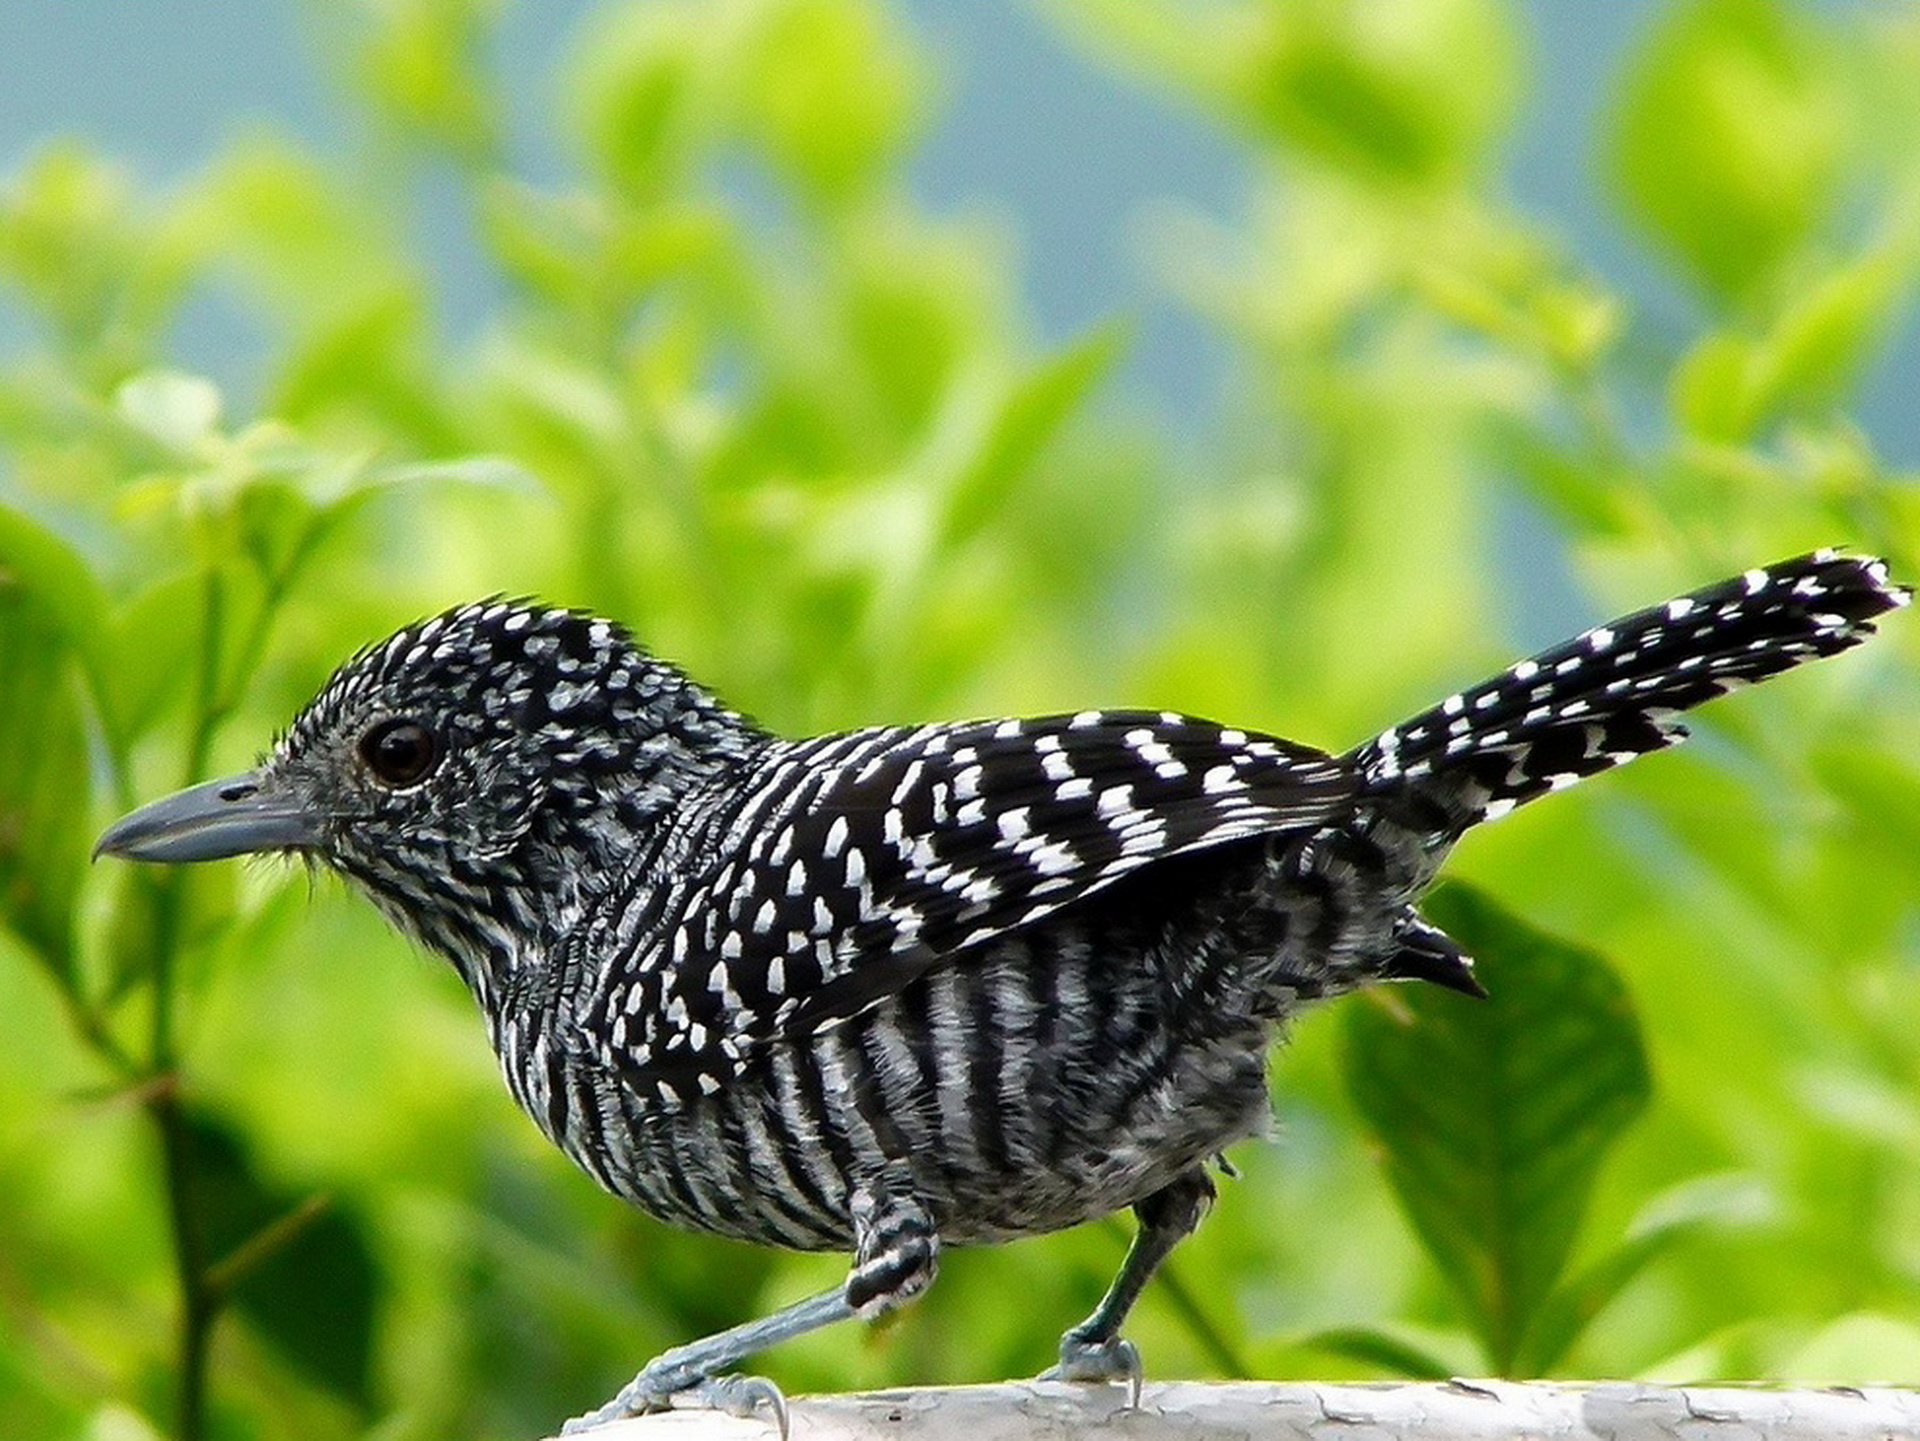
(1612, 693)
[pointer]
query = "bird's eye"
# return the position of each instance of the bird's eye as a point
(399, 752)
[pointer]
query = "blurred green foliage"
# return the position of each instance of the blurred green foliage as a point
(811, 447)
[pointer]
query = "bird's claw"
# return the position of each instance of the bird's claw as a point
(744, 1395)
(1114, 1359)
(647, 1392)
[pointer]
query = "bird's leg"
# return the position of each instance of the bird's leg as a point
(896, 1253)
(688, 1371)
(1095, 1350)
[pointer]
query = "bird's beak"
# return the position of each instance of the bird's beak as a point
(232, 817)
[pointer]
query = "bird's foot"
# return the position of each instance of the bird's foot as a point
(1114, 1359)
(675, 1389)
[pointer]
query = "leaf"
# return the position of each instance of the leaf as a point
(1732, 386)
(1493, 1116)
(1381, 1349)
(642, 104)
(45, 814)
(307, 1279)
(482, 472)
(1729, 136)
(180, 411)
(203, 899)
(1412, 97)
(1821, 341)
(1583, 491)
(58, 578)
(310, 244)
(830, 90)
(1710, 389)
(1670, 1219)
(1030, 414)
(150, 644)
(103, 275)
(341, 491)
(1881, 792)
(422, 63)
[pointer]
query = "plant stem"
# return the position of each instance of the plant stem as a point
(203, 1285)
(199, 1304)
(199, 1301)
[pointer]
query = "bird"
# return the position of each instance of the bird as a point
(897, 988)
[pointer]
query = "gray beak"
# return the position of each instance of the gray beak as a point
(232, 817)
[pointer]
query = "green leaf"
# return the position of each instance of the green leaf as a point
(58, 578)
(1883, 794)
(102, 276)
(1669, 1219)
(1371, 1346)
(1820, 342)
(302, 1272)
(1729, 138)
(308, 242)
(342, 491)
(150, 649)
(642, 108)
(1029, 415)
(45, 815)
(1493, 1116)
(204, 900)
(1403, 91)
(1584, 491)
(480, 472)
(830, 90)
(1414, 97)
(180, 411)
(1731, 386)
(422, 64)
(1710, 390)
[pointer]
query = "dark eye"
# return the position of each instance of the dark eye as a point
(399, 752)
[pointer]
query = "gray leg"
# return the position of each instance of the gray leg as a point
(1095, 1350)
(897, 1252)
(689, 1370)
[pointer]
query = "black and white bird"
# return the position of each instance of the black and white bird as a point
(896, 988)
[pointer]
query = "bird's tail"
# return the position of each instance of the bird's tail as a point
(1611, 694)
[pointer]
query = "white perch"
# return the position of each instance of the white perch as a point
(1303, 1411)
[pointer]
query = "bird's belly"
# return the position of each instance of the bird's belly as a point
(1036, 1087)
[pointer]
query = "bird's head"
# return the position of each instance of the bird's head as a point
(468, 771)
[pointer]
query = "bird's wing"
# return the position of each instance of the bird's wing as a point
(853, 862)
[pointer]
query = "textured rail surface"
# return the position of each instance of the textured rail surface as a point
(1298, 1411)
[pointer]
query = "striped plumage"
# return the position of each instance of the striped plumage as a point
(895, 987)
